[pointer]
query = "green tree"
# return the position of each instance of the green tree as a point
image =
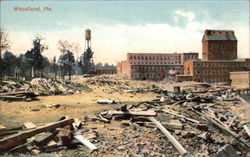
(4, 45)
(9, 63)
(34, 56)
(67, 62)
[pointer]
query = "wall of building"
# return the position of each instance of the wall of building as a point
(213, 71)
(154, 66)
(240, 80)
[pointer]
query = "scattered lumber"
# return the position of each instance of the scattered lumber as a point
(171, 138)
(133, 113)
(85, 142)
(181, 116)
(12, 141)
(226, 130)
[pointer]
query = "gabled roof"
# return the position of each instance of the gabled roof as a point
(219, 35)
(222, 37)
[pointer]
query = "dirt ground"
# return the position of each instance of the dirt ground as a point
(14, 114)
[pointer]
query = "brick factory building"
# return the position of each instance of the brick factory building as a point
(212, 71)
(153, 66)
(219, 45)
(240, 79)
(219, 58)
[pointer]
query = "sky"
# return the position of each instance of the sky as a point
(119, 27)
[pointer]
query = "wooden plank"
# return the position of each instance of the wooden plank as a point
(181, 116)
(85, 142)
(133, 113)
(29, 125)
(171, 138)
(247, 129)
(12, 141)
(44, 138)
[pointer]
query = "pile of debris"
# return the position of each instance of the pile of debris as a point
(21, 90)
(66, 133)
(49, 86)
(194, 123)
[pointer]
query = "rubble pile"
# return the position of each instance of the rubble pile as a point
(48, 86)
(201, 123)
(42, 86)
(67, 133)
(192, 120)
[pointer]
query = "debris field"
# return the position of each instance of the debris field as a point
(192, 119)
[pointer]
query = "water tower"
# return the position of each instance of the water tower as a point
(87, 58)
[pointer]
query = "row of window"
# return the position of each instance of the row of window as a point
(153, 68)
(154, 57)
(190, 56)
(241, 80)
(154, 76)
(206, 72)
(213, 80)
(219, 64)
(222, 46)
(155, 63)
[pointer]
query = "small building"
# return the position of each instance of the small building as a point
(153, 66)
(105, 72)
(240, 79)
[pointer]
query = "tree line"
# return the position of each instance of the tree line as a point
(34, 64)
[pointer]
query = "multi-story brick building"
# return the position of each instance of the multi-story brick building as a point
(219, 45)
(213, 70)
(219, 58)
(153, 66)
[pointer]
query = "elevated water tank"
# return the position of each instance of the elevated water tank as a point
(87, 34)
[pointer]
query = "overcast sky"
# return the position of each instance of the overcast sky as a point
(119, 27)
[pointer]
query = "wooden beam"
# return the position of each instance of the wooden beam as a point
(44, 138)
(247, 129)
(226, 130)
(133, 113)
(85, 142)
(181, 116)
(12, 141)
(171, 138)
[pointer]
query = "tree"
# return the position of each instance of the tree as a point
(34, 56)
(9, 63)
(66, 60)
(4, 45)
(54, 66)
(99, 66)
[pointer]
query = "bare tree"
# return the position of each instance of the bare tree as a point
(4, 45)
(63, 46)
(66, 60)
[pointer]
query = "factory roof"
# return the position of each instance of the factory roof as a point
(219, 35)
